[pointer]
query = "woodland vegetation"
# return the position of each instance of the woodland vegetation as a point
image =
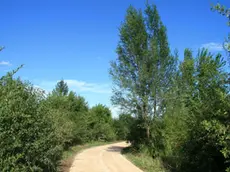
(175, 111)
(35, 128)
(180, 109)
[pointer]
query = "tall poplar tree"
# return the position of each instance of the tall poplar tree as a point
(144, 67)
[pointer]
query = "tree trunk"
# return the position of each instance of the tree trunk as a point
(146, 121)
(155, 107)
(147, 132)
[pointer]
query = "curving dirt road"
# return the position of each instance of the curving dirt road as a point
(103, 159)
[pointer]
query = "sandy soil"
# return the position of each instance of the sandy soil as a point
(103, 159)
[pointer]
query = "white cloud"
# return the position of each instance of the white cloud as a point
(82, 86)
(77, 86)
(48, 86)
(4, 63)
(213, 46)
(93, 92)
(38, 88)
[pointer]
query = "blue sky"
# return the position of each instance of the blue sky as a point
(75, 40)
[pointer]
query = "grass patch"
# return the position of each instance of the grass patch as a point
(68, 155)
(144, 161)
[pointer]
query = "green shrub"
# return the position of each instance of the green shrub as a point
(27, 137)
(122, 126)
(101, 124)
(70, 117)
(64, 127)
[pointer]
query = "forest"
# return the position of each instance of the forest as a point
(175, 111)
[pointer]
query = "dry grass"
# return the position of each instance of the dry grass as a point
(144, 161)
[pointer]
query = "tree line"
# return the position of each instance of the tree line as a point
(35, 128)
(179, 110)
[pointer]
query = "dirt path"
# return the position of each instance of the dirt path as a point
(103, 159)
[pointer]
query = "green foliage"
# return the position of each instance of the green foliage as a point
(28, 142)
(224, 11)
(61, 88)
(102, 113)
(181, 113)
(100, 123)
(175, 116)
(143, 71)
(79, 123)
(144, 161)
(69, 111)
(200, 124)
(34, 128)
(122, 126)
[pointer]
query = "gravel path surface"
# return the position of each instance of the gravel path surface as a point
(105, 158)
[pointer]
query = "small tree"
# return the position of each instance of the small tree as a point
(100, 123)
(70, 116)
(61, 89)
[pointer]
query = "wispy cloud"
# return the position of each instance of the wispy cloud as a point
(94, 93)
(48, 86)
(213, 46)
(89, 87)
(77, 86)
(5, 63)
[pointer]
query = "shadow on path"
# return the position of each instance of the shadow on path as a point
(115, 148)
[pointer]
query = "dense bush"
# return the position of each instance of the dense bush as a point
(80, 124)
(206, 147)
(122, 126)
(101, 124)
(70, 112)
(27, 135)
(35, 128)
